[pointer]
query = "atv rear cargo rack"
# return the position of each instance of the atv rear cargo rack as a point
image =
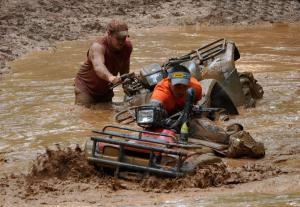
(203, 53)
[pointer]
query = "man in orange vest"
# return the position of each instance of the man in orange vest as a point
(107, 57)
(171, 92)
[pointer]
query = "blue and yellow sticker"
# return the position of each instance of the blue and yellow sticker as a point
(180, 75)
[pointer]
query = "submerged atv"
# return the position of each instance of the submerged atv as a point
(164, 145)
(144, 151)
(213, 65)
(157, 148)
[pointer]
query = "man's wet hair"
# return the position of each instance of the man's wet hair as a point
(116, 25)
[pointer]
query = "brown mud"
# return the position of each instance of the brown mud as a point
(64, 173)
(27, 25)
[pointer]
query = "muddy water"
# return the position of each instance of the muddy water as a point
(37, 110)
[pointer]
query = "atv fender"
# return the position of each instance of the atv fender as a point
(215, 96)
(194, 69)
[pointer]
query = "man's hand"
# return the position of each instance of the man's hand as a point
(114, 79)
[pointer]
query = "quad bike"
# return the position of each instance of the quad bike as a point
(157, 148)
(213, 65)
(162, 147)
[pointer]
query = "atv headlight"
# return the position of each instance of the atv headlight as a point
(145, 116)
(149, 115)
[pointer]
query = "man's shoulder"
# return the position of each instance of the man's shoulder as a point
(101, 40)
(163, 83)
(162, 89)
(128, 45)
(197, 86)
(97, 47)
(195, 82)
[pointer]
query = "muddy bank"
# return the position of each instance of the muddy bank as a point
(63, 172)
(38, 24)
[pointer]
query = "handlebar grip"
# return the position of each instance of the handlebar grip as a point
(123, 78)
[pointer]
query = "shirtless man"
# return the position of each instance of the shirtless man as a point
(107, 56)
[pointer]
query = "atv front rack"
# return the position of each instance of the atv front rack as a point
(125, 142)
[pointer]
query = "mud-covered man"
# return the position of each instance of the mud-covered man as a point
(171, 92)
(107, 57)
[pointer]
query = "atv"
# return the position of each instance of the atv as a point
(213, 65)
(163, 145)
(160, 147)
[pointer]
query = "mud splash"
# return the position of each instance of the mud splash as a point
(214, 175)
(53, 171)
(63, 164)
(60, 171)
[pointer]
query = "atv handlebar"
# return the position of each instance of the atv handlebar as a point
(177, 119)
(198, 110)
(185, 113)
(125, 77)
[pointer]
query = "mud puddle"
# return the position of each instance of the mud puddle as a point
(37, 112)
(64, 171)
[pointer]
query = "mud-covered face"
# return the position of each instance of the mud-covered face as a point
(179, 90)
(117, 40)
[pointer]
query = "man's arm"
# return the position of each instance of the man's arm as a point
(96, 55)
(159, 96)
(155, 102)
(198, 89)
